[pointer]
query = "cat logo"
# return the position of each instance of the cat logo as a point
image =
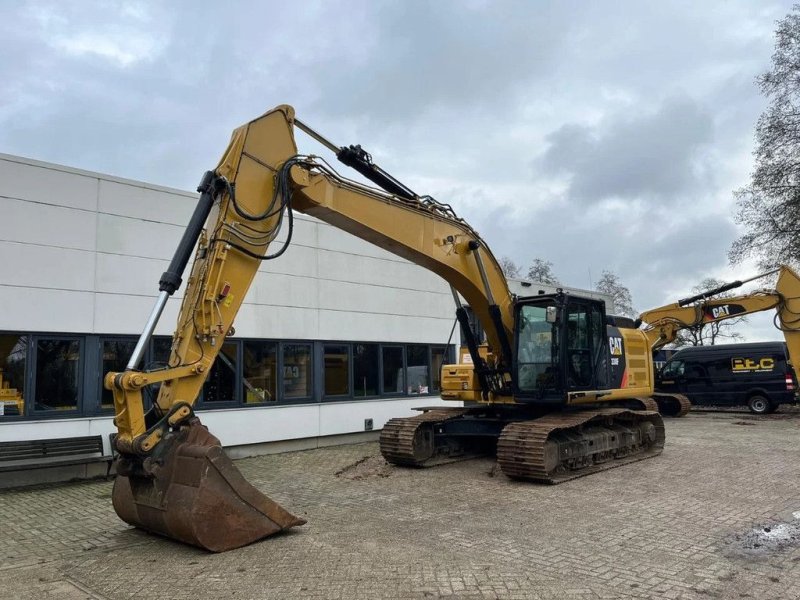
(615, 344)
(747, 365)
(720, 311)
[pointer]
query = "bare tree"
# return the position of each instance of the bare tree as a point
(541, 271)
(769, 207)
(509, 267)
(713, 332)
(609, 283)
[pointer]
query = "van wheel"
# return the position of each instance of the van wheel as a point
(758, 405)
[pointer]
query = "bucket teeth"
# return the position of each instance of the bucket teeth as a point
(189, 490)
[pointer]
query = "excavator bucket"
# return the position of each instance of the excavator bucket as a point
(189, 490)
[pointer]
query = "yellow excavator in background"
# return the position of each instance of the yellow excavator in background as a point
(557, 392)
(662, 324)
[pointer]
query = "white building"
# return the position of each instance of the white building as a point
(80, 258)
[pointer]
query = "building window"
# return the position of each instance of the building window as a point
(296, 371)
(13, 353)
(161, 349)
(417, 369)
(260, 376)
(115, 356)
(392, 369)
(366, 370)
(439, 356)
(57, 374)
(222, 379)
(337, 369)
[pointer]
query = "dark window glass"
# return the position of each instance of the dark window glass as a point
(439, 357)
(537, 357)
(13, 350)
(57, 369)
(365, 370)
(115, 357)
(392, 369)
(260, 383)
(296, 370)
(221, 383)
(579, 361)
(162, 346)
(417, 369)
(673, 368)
(337, 370)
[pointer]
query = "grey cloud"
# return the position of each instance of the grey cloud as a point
(652, 253)
(632, 155)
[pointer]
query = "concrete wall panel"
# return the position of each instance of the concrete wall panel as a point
(146, 203)
(49, 267)
(36, 309)
(31, 223)
(135, 237)
(48, 185)
(343, 325)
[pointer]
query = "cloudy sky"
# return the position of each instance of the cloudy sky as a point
(594, 135)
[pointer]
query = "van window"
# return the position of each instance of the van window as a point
(673, 368)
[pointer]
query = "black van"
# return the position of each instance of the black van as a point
(754, 375)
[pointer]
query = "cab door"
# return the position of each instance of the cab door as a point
(586, 348)
(671, 378)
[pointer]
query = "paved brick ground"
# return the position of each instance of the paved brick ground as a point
(662, 528)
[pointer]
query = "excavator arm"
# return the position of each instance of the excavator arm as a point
(246, 203)
(663, 324)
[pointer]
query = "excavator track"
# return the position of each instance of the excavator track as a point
(645, 403)
(410, 441)
(564, 446)
(673, 405)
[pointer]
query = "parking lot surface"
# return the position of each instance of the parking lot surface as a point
(717, 515)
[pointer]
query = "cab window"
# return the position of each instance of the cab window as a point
(535, 350)
(673, 368)
(579, 354)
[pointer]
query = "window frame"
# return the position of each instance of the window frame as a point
(312, 397)
(96, 404)
(350, 373)
(90, 372)
(381, 381)
(202, 404)
(80, 401)
(379, 387)
(25, 379)
(278, 374)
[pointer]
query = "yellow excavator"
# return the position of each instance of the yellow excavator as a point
(560, 390)
(662, 324)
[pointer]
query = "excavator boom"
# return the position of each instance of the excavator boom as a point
(663, 324)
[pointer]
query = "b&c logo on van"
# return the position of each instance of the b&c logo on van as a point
(615, 345)
(748, 365)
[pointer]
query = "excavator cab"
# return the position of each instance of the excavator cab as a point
(561, 347)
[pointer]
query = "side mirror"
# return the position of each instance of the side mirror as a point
(551, 314)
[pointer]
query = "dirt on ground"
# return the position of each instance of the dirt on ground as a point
(366, 468)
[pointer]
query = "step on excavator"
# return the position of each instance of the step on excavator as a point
(662, 324)
(558, 390)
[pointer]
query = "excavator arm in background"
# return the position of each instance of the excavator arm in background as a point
(663, 324)
(173, 477)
